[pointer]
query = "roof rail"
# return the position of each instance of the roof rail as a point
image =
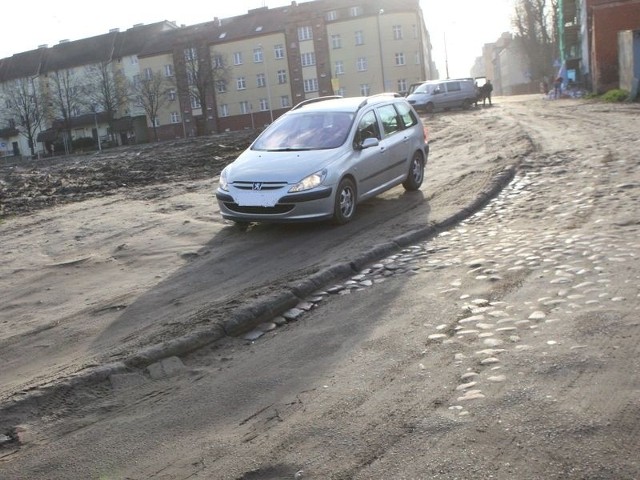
(386, 94)
(314, 100)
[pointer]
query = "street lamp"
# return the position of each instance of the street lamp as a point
(95, 119)
(266, 75)
(384, 82)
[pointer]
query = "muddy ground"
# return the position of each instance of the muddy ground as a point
(503, 348)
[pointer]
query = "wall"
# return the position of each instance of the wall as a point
(607, 20)
(629, 60)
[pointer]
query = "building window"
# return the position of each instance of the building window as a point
(278, 51)
(171, 95)
(399, 59)
(156, 122)
(195, 102)
(221, 86)
(339, 67)
(257, 55)
(342, 92)
(397, 32)
(148, 74)
(245, 107)
(260, 80)
(415, 31)
(311, 85)
(305, 33)
(133, 59)
(224, 110)
(359, 38)
(168, 70)
(218, 61)
(237, 58)
(264, 104)
(331, 16)
(365, 89)
(241, 83)
(190, 54)
(355, 11)
(336, 41)
(402, 85)
(308, 59)
(361, 64)
(284, 101)
(174, 117)
(282, 76)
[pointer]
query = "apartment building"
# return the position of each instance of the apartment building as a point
(226, 74)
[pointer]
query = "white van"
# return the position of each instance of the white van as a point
(443, 94)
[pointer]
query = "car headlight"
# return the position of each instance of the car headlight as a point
(309, 182)
(222, 183)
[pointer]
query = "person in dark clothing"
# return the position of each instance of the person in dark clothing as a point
(487, 89)
(557, 88)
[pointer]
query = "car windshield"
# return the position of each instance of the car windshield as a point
(306, 131)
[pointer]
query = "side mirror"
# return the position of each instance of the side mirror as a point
(368, 143)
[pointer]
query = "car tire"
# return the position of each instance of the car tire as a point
(429, 107)
(466, 104)
(416, 173)
(345, 202)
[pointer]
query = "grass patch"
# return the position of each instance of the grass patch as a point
(615, 95)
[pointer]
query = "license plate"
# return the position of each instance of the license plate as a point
(258, 199)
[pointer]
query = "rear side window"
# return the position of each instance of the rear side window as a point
(406, 115)
(390, 119)
(453, 87)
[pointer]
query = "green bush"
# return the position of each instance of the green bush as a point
(84, 143)
(616, 95)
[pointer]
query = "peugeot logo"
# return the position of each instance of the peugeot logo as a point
(257, 186)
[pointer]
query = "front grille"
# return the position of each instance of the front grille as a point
(263, 185)
(278, 209)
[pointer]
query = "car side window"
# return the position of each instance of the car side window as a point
(453, 87)
(406, 115)
(390, 119)
(367, 128)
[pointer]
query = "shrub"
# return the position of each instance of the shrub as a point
(84, 143)
(616, 95)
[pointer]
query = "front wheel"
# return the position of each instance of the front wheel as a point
(416, 173)
(429, 107)
(345, 202)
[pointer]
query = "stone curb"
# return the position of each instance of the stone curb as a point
(247, 317)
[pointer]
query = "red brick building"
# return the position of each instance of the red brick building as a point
(605, 19)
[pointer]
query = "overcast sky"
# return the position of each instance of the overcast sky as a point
(466, 24)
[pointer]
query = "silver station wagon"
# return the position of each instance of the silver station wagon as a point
(323, 157)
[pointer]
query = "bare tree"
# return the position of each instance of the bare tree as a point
(107, 91)
(535, 30)
(66, 98)
(151, 93)
(24, 108)
(203, 71)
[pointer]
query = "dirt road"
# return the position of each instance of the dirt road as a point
(503, 348)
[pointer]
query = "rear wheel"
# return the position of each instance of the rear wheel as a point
(345, 202)
(466, 104)
(429, 107)
(416, 173)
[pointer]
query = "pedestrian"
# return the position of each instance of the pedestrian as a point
(488, 88)
(557, 87)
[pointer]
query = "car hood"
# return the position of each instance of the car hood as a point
(290, 167)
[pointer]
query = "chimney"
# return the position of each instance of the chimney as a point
(66, 40)
(114, 30)
(44, 45)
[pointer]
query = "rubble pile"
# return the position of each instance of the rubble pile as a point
(30, 185)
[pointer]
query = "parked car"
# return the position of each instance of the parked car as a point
(443, 94)
(323, 157)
